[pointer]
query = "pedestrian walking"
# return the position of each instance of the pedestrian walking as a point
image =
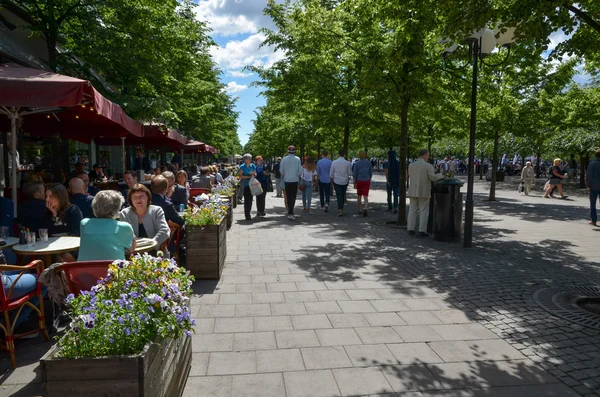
(362, 174)
(556, 180)
(593, 183)
(277, 173)
(421, 174)
(392, 177)
(340, 173)
(307, 180)
(261, 176)
(323, 168)
(527, 178)
(246, 172)
(290, 168)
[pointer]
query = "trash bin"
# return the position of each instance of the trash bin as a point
(448, 210)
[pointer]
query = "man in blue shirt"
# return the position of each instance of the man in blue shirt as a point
(362, 174)
(80, 198)
(593, 183)
(290, 169)
(323, 168)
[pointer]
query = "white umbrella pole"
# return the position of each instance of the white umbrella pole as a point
(123, 155)
(13, 153)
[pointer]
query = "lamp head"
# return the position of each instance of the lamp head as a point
(488, 42)
(505, 35)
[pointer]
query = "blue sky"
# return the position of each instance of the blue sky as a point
(235, 28)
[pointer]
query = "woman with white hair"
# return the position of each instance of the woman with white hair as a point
(105, 237)
(246, 172)
(527, 177)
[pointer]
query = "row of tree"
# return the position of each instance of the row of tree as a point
(152, 57)
(368, 75)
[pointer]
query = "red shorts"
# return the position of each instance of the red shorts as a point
(362, 188)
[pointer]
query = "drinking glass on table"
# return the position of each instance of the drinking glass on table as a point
(43, 235)
(4, 232)
(30, 239)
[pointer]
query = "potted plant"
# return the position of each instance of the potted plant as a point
(225, 192)
(206, 238)
(233, 182)
(129, 335)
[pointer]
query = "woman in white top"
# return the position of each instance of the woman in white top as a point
(308, 177)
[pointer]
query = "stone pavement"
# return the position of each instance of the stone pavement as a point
(350, 306)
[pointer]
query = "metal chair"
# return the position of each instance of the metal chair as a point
(8, 305)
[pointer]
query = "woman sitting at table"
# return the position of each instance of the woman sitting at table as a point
(148, 221)
(105, 238)
(181, 178)
(66, 217)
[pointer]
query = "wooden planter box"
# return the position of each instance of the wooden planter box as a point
(206, 250)
(234, 199)
(161, 370)
(229, 211)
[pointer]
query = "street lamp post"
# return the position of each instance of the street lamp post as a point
(480, 44)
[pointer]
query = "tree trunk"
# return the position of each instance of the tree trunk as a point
(492, 196)
(51, 40)
(538, 165)
(403, 155)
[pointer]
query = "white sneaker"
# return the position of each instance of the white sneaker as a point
(291, 217)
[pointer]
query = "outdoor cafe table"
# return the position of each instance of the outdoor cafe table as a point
(146, 248)
(54, 245)
(10, 242)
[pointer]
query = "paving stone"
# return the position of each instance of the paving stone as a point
(279, 360)
(206, 299)
(296, 339)
(311, 286)
(261, 309)
(373, 335)
(383, 319)
(417, 333)
(454, 332)
(267, 297)
(281, 309)
(419, 318)
(236, 279)
(267, 278)
(414, 353)
(217, 311)
(481, 350)
(311, 321)
(199, 364)
(404, 378)
(250, 288)
(205, 325)
(459, 375)
(322, 307)
(258, 385)
(449, 393)
(339, 285)
(254, 341)
(336, 295)
(209, 386)
(422, 304)
(393, 293)
(362, 294)
(303, 296)
(509, 391)
(338, 337)
(356, 306)
(272, 323)
(228, 363)
(515, 373)
(212, 343)
(282, 287)
(292, 278)
(347, 320)
(325, 357)
(389, 305)
(370, 355)
(365, 284)
(228, 325)
(452, 316)
(311, 384)
(554, 390)
(360, 381)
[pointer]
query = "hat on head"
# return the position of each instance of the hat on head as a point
(291, 149)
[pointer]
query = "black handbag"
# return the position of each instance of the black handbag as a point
(269, 184)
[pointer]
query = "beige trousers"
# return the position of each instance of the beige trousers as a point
(420, 206)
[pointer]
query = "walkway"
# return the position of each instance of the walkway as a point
(350, 306)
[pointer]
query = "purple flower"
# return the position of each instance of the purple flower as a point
(127, 331)
(128, 283)
(121, 320)
(134, 294)
(108, 302)
(187, 333)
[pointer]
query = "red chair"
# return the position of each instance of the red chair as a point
(82, 276)
(196, 191)
(9, 305)
(175, 238)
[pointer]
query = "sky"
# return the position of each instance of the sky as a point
(235, 28)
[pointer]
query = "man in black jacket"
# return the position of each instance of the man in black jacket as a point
(159, 187)
(277, 177)
(177, 193)
(32, 213)
(141, 162)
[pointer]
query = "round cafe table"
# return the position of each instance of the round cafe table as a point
(146, 248)
(54, 245)
(10, 242)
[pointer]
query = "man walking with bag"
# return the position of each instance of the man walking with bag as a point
(290, 169)
(420, 174)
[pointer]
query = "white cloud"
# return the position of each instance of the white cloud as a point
(231, 17)
(239, 73)
(235, 87)
(238, 54)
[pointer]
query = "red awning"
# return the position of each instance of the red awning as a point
(155, 136)
(51, 103)
(199, 147)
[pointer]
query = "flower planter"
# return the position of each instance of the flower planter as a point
(229, 210)
(161, 370)
(206, 250)
(234, 199)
